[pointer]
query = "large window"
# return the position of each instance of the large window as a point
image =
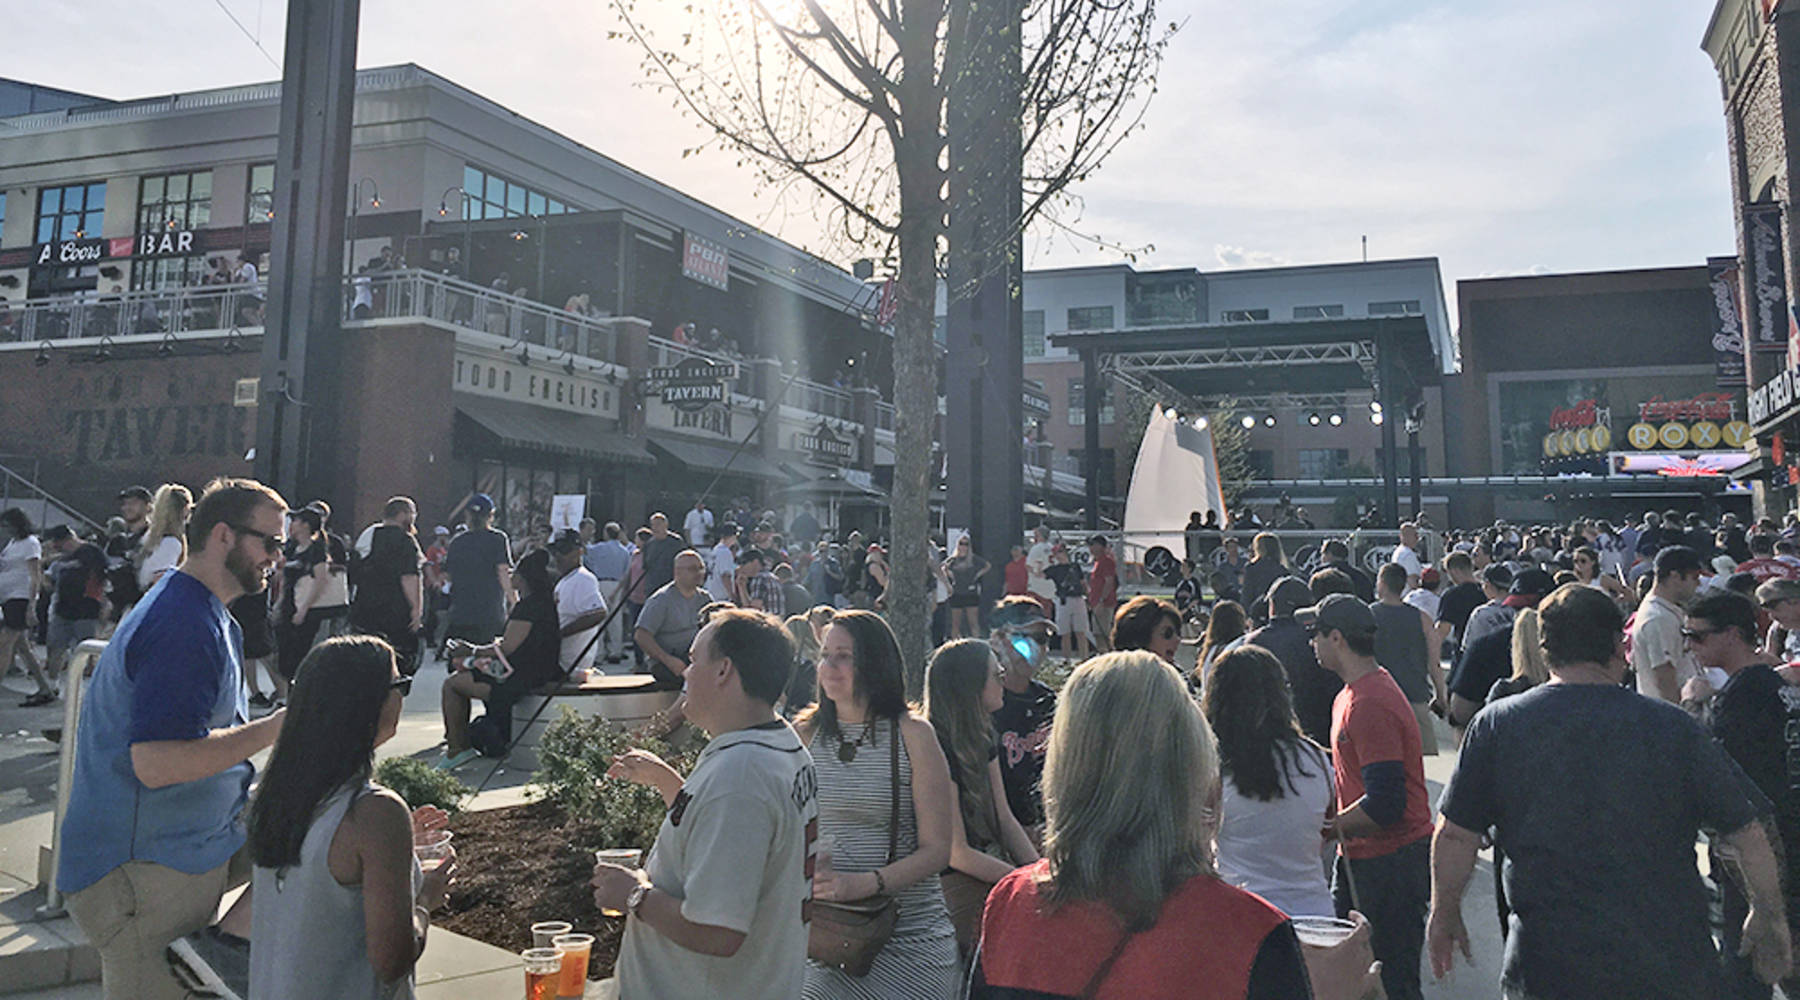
(1408, 307)
(1034, 333)
(1091, 318)
(1078, 405)
(175, 201)
(1322, 463)
(491, 196)
(259, 194)
(1162, 298)
(73, 212)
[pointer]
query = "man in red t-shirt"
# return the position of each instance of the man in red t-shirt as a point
(1103, 590)
(1383, 820)
(1018, 575)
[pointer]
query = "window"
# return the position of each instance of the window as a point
(1261, 462)
(1318, 312)
(74, 212)
(490, 196)
(1409, 307)
(1323, 463)
(1244, 316)
(1091, 318)
(1162, 298)
(1034, 332)
(259, 196)
(1078, 406)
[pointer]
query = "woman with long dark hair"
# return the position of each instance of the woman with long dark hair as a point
(962, 693)
(341, 905)
(1277, 785)
(1268, 564)
(885, 837)
(531, 646)
(305, 576)
(21, 565)
(1226, 625)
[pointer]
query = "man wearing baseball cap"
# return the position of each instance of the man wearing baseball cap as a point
(479, 568)
(1383, 815)
(1021, 639)
(121, 573)
(1313, 689)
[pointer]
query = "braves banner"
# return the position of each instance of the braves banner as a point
(1768, 306)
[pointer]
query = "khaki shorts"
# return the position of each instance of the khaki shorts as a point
(1428, 741)
(133, 913)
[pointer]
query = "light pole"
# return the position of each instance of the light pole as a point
(444, 212)
(355, 207)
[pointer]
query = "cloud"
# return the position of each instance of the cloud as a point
(1231, 256)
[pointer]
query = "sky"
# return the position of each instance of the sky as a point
(1502, 136)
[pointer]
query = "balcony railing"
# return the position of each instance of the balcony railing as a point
(410, 294)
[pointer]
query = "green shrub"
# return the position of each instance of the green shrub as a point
(572, 762)
(420, 784)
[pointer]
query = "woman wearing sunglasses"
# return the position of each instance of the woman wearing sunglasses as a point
(341, 905)
(1148, 623)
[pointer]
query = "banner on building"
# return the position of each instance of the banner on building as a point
(1727, 326)
(1768, 306)
(710, 264)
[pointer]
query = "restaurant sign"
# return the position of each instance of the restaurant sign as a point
(824, 446)
(74, 253)
(694, 384)
(705, 261)
(1774, 399)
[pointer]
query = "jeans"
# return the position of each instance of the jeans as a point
(1740, 977)
(1393, 891)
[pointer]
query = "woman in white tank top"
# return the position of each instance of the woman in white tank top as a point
(340, 906)
(1276, 789)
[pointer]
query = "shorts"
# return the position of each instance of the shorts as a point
(65, 634)
(14, 613)
(1072, 616)
(968, 600)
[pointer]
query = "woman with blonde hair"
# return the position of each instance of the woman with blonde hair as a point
(1126, 901)
(165, 541)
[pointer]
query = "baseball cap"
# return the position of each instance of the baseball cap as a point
(1288, 595)
(1532, 582)
(481, 503)
(440, 530)
(135, 493)
(1428, 575)
(1020, 614)
(566, 540)
(1342, 612)
(1498, 575)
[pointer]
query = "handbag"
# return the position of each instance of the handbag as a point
(848, 935)
(965, 896)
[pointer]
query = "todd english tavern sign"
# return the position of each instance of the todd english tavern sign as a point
(824, 447)
(693, 385)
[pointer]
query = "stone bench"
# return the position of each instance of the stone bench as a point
(627, 699)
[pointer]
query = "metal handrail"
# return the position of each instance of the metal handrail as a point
(75, 673)
(68, 510)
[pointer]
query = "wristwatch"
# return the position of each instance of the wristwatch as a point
(636, 899)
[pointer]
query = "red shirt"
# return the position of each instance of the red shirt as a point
(1766, 568)
(1371, 721)
(1103, 581)
(1018, 576)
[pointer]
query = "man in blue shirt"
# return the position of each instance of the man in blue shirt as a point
(610, 562)
(152, 837)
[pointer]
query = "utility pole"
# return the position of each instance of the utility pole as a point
(984, 371)
(296, 426)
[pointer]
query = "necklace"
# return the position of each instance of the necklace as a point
(847, 751)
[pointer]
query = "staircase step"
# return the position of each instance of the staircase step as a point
(37, 954)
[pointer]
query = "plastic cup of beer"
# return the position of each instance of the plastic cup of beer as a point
(624, 857)
(432, 847)
(543, 970)
(545, 932)
(575, 948)
(1323, 932)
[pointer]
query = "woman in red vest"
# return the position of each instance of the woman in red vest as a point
(1126, 902)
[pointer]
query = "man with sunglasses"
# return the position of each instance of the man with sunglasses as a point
(1748, 717)
(1021, 639)
(152, 838)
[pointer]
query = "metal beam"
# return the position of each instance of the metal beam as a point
(1359, 352)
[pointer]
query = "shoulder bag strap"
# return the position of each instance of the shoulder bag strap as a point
(894, 784)
(1099, 977)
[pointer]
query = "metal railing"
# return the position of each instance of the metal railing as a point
(75, 673)
(16, 489)
(123, 314)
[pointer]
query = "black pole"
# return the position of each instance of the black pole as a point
(1388, 396)
(1090, 436)
(1413, 458)
(296, 433)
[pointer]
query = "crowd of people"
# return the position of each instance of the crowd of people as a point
(1615, 695)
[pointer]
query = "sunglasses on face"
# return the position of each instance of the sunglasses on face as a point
(271, 543)
(402, 685)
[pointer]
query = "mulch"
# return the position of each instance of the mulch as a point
(521, 865)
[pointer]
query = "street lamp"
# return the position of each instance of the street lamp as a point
(444, 212)
(355, 208)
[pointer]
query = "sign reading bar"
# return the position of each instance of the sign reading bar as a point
(168, 243)
(705, 261)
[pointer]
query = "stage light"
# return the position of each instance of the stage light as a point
(1248, 421)
(1269, 421)
(1337, 420)
(1313, 419)
(1375, 418)
(1199, 423)
(1374, 406)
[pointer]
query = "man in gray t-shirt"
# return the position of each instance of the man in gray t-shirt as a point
(670, 619)
(479, 563)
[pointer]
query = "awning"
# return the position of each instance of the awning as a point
(846, 485)
(511, 424)
(702, 456)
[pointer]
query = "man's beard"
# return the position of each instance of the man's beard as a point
(245, 571)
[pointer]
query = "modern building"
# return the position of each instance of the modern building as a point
(521, 337)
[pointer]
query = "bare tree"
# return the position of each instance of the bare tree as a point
(848, 97)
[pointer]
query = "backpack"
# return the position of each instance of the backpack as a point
(490, 733)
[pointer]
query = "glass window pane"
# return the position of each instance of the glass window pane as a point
(200, 185)
(515, 199)
(46, 230)
(199, 214)
(471, 183)
(495, 211)
(496, 190)
(535, 204)
(93, 222)
(178, 187)
(96, 196)
(153, 190)
(556, 207)
(49, 200)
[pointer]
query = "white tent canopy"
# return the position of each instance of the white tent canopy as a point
(1177, 473)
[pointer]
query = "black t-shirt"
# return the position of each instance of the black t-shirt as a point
(121, 574)
(536, 660)
(1314, 688)
(659, 561)
(298, 565)
(1188, 594)
(1596, 795)
(1748, 718)
(1458, 603)
(1484, 661)
(1070, 581)
(1023, 726)
(76, 579)
(380, 603)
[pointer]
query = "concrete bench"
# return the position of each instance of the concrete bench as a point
(626, 699)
